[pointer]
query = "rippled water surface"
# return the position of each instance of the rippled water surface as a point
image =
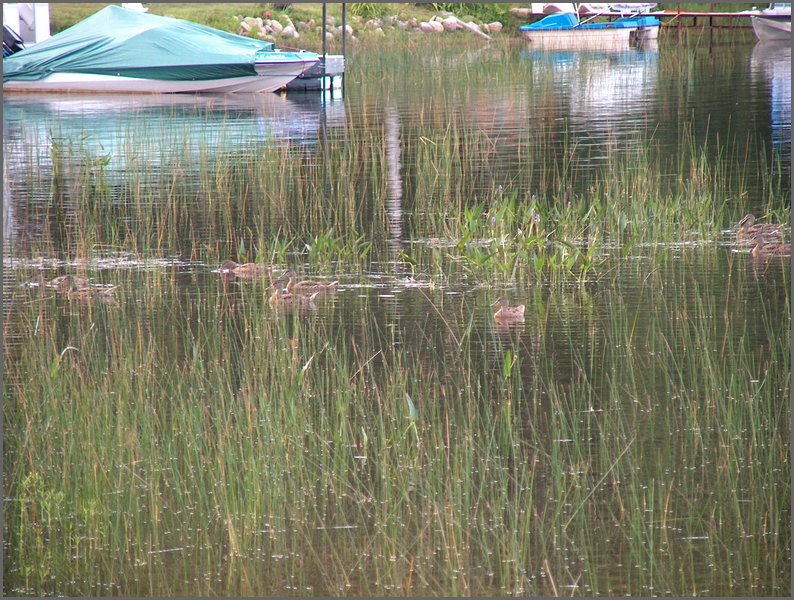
(629, 435)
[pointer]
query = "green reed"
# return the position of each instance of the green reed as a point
(175, 439)
(329, 203)
(630, 438)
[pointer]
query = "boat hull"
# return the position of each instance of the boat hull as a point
(579, 39)
(772, 30)
(269, 78)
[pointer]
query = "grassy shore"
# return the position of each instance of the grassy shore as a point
(223, 15)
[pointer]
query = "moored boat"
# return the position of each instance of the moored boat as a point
(121, 51)
(564, 31)
(771, 30)
(773, 24)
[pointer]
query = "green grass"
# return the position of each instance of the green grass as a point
(213, 434)
(544, 223)
(630, 438)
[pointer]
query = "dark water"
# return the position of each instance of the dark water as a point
(578, 111)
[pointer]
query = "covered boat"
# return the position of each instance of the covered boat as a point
(119, 50)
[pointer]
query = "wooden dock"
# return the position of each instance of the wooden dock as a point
(686, 18)
(678, 18)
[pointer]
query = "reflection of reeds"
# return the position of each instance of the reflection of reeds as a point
(176, 432)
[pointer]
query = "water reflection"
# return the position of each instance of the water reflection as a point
(294, 416)
(103, 122)
(604, 92)
(394, 202)
(770, 66)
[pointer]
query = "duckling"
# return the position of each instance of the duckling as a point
(277, 295)
(306, 286)
(245, 270)
(507, 312)
(749, 232)
(763, 249)
(78, 288)
(37, 281)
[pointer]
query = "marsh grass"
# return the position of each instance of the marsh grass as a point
(271, 202)
(631, 437)
(556, 207)
(172, 441)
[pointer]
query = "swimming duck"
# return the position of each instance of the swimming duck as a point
(507, 312)
(245, 270)
(764, 249)
(307, 286)
(78, 288)
(285, 298)
(87, 293)
(66, 283)
(749, 232)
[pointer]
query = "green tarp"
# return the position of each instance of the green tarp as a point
(117, 41)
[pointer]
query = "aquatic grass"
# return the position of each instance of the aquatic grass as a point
(257, 433)
(302, 196)
(628, 437)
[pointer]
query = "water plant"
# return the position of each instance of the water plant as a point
(215, 420)
(629, 437)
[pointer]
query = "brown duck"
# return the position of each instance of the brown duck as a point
(66, 283)
(763, 249)
(307, 286)
(749, 232)
(245, 270)
(78, 288)
(285, 298)
(507, 312)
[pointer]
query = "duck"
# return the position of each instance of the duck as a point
(507, 312)
(66, 283)
(78, 288)
(764, 249)
(749, 232)
(88, 293)
(245, 270)
(284, 298)
(307, 286)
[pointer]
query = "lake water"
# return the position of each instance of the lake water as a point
(629, 436)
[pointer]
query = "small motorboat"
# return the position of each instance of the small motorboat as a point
(119, 50)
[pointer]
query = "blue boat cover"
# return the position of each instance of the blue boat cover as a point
(117, 41)
(553, 21)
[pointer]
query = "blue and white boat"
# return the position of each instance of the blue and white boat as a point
(564, 31)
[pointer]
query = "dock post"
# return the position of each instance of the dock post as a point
(344, 44)
(325, 25)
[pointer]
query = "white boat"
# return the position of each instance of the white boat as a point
(583, 40)
(272, 74)
(122, 51)
(773, 24)
(564, 31)
(771, 30)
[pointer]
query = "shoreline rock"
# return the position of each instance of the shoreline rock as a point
(271, 28)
